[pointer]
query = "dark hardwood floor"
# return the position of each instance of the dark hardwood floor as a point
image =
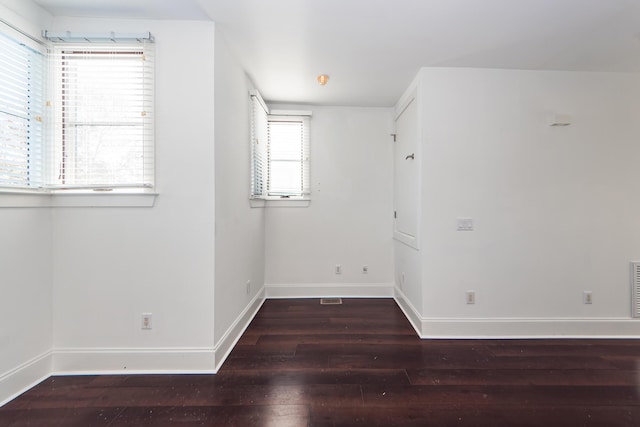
(358, 364)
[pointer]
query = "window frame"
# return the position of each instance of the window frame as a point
(44, 195)
(278, 116)
(63, 128)
(261, 115)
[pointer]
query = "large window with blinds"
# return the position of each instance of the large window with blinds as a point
(21, 115)
(76, 114)
(103, 116)
(280, 166)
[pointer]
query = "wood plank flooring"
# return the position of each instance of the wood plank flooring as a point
(358, 364)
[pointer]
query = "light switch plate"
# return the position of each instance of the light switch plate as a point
(465, 224)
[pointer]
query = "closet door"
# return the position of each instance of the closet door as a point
(407, 175)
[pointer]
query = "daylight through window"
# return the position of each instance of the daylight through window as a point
(280, 152)
(103, 126)
(21, 115)
(76, 115)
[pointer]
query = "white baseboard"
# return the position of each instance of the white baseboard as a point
(329, 290)
(523, 328)
(119, 361)
(517, 328)
(16, 381)
(409, 311)
(224, 346)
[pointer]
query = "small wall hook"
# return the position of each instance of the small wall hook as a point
(410, 156)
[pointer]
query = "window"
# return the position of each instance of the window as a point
(288, 156)
(95, 129)
(21, 116)
(280, 153)
(103, 116)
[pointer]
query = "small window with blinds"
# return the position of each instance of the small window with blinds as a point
(103, 116)
(279, 152)
(21, 105)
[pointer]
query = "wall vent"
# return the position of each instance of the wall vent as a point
(635, 289)
(332, 301)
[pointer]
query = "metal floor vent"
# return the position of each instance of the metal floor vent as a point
(330, 301)
(635, 289)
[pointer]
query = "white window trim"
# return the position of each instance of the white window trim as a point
(70, 199)
(79, 52)
(282, 114)
(274, 202)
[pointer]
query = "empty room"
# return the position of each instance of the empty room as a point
(319, 213)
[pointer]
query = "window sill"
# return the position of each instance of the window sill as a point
(280, 203)
(37, 199)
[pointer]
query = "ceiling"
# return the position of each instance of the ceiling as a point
(373, 48)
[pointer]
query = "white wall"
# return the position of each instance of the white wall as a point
(553, 207)
(25, 266)
(408, 278)
(110, 265)
(349, 221)
(239, 229)
(26, 15)
(25, 305)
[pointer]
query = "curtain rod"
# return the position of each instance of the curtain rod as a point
(68, 36)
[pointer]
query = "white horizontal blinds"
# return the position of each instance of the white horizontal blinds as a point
(306, 164)
(288, 156)
(21, 114)
(259, 145)
(104, 115)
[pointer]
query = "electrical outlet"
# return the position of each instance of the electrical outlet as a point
(587, 297)
(146, 320)
(338, 269)
(471, 297)
(365, 269)
(248, 287)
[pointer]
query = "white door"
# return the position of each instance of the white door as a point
(406, 175)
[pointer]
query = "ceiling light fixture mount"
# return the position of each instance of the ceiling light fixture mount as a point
(323, 79)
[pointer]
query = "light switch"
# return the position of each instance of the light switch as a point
(465, 224)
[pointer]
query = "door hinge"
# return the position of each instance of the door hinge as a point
(394, 136)
(395, 214)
